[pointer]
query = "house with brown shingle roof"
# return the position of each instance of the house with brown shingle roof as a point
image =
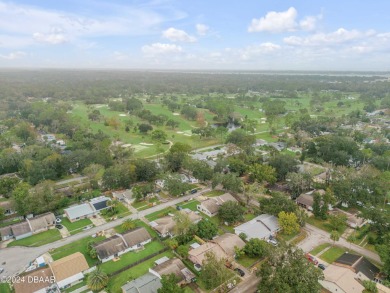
(21, 230)
(173, 266)
(68, 270)
(165, 226)
(211, 206)
(119, 244)
(222, 246)
(26, 284)
(42, 222)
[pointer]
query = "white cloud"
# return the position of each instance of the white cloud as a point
(254, 51)
(120, 56)
(176, 35)
(53, 38)
(275, 21)
(309, 23)
(202, 29)
(161, 49)
(339, 36)
(13, 55)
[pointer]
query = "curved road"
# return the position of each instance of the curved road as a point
(17, 258)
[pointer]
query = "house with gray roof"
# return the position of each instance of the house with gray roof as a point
(211, 206)
(119, 244)
(42, 222)
(87, 209)
(21, 230)
(147, 283)
(261, 227)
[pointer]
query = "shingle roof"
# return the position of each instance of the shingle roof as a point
(172, 266)
(20, 229)
(136, 236)
(147, 283)
(359, 264)
(42, 221)
(305, 199)
(198, 254)
(5, 231)
(25, 286)
(213, 204)
(348, 259)
(69, 266)
(110, 246)
(228, 241)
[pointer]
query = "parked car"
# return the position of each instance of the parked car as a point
(179, 208)
(311, 259)
(272, 242)
(322, 266)
(197, 267)
(58, 220)
(59, 226)
(240, 272)
(194, 191)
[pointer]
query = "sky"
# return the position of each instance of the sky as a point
(197, 34)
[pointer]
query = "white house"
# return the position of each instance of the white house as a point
(261, 227)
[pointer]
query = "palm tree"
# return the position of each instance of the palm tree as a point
(113, 204)
(97, 280)
(128, 224)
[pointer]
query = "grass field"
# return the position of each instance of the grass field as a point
(5, 288)
(247, 261)
(77, 226)
(115, 283)
(332, 254)
(324, 225)
(138, 223)
(214, 193)
(319, 248)
(191, 205)
(131, 257)
(159, 214)
(77, 246)
(38, 239)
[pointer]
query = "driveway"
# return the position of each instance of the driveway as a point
(317, 236)
(18, 258)
(248, 285)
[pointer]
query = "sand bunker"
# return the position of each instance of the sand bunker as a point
(176, 114)
(122, 115)
(144, 143)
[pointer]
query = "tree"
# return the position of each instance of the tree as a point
(159, 135)
(21, 199)
(384, 253)
(172, 243)
(7, 185)
(287, 270)
(175, 186)
(2, 213)
(298, 182)
(182, 223)
(335, 236)
(144, 128)
(277, 203)
(172, 123)
(230, 182)
(169, 285)
(288, 222)
(317, 207)
(119, 176)
(128, 224)
(189, 112)
(97, 280)
(243, 140)
(256, 248)
(243, 236)
(91, 249)
(369, 287)
(200, 170)
(262, 173)
(214, 271)
(231, 212)
(338, 222)
(206, 229)
(182, 250)
(146, 170)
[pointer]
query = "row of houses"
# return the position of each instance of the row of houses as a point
(87, 209)
(119, 244)
(59, 274)
(28, 227)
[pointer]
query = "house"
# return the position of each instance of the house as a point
(88, 209)
(68, 270)
(165, 226)
(125, 196)
(340, 280)
(7, 207)
(110, 248)
(261, 227)
(173, 266)
(119, 244)
(148, 283)
(306, 200)
(211, 205)
(46, 280)
(21, 230)
(78, 212)
(6, 233)
(353, 220)
(361, 266)
(42, 222)
(222, 246)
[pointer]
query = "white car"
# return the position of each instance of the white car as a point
(272, 241)
(58, 220)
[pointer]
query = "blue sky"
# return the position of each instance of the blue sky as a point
(214, 34)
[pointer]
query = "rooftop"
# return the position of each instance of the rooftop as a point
(69, 266)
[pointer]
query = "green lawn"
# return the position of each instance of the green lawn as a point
(324, 225)
(5, 288)
(115, 283)
(131, 257)
(77, 226)
(161, 213)
(332, 254)
(214, 193)
(286, 237)
(246, 261)
(76, 246)
(191, 205)
(77, 286)
(138, 223)
(319, 248)
(38, 239)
